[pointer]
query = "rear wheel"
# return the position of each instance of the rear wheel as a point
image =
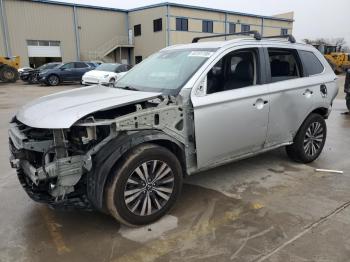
(53, 80)
(309, 141)
(144, 185)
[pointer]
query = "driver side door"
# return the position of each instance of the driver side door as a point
(231, 118)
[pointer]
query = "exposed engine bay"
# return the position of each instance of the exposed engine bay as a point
(52, 163)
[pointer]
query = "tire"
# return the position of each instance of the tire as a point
(309, 141)
(111, 82)
(348, 101)
(128, 176)
(9, 74)
(33, 79)
(53, 80)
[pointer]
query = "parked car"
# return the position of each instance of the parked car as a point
(24, 69)
(105, 74)
(188, 108)
(68, 72)
(31, 76)
(347, 89)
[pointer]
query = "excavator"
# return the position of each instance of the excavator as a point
(339, 61)
(9, 69)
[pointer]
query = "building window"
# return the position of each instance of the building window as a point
(181, 24)
(245, 28)
(207, 26)
(138, 59)
(232, 28)
(137, 30)
(157, 25)
(284, 31)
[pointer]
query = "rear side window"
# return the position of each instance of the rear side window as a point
(80, 65)
(284, 64)
(311, 63)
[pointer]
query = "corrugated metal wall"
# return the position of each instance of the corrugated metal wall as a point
(148, 42)
(98, 27)
(37, 21)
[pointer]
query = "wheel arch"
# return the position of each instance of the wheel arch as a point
(111, 154)
(54, 74)
(324, 112)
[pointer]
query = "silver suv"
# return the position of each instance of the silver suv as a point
(185, 109)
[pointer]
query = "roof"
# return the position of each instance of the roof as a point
(161, 5)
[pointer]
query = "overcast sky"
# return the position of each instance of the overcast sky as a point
(313, 18)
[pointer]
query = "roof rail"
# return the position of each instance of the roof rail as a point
(256, 35)
(290, 38)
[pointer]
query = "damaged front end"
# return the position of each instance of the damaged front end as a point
(52, 164)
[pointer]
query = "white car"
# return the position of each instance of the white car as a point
(105, 74)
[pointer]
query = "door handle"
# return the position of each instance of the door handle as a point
(308, 92)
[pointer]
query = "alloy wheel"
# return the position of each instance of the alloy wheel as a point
(313, 139)
(148, 188)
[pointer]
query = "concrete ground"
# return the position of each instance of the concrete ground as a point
(266, 208)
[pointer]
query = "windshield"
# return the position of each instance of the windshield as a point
(107, 67)
(166, 71)
(48, 66)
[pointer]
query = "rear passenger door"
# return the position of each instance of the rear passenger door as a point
(80, 69)
(292, 94)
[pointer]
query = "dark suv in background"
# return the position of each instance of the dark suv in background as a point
(68, 72)
(31, 76)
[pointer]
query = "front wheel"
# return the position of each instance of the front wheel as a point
(53, 80)
(144, 186)
(309, 141)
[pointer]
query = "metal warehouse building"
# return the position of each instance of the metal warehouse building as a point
(43, 31)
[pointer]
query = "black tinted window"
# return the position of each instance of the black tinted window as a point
(284, 64)
(207, 26)
(157, 25)
(312, 65)
(137, 30)
(80, 65)
(181, 24)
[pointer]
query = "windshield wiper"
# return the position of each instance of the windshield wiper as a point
(128, 88)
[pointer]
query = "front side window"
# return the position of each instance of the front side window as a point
(67, 66)
(137, 30)
(245, 28)
(207, 26)
(181, 24)
(311, 63)
(235, 70)
(165, 71)
(284, 64)
(157, 25)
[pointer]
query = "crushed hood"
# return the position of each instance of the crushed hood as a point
(62, 110)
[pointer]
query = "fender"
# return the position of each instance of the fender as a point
(108, 156)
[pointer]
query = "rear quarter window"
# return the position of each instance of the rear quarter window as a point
(312, 64)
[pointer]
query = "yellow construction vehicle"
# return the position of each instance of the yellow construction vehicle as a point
(9, 69)
(339, 61)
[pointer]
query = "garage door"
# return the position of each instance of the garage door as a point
(43, 48)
